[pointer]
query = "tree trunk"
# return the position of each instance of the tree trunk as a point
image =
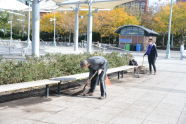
(101, 40)
(109, 39)
(172, 41)
(69, 37)
(182, 37)
(65, 38)
(163, 43)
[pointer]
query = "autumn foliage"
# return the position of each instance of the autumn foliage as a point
(159, 20)
(104, 22)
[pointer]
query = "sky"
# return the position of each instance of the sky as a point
(152, 2)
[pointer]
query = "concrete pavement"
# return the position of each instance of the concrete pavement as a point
(151, 99)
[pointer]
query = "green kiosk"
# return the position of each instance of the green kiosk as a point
(135, 37)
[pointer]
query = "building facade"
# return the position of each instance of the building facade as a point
(136, 5)
(135, 35)
(181, 0)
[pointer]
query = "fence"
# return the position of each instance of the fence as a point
(21, 48)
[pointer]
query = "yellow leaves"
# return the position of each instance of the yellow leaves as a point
(46, 25)
(161, 18)
(64, 22)
(106, 22)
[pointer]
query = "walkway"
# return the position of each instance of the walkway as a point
(151, 99)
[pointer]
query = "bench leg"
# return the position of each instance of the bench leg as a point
(118, 75)
(58, 88)
(122, 72)
(47, 90)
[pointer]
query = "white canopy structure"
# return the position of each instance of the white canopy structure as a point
(50, 6)
(104, 4)
(90, 4)
(47, 5)
(12, 5)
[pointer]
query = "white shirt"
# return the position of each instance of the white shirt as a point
(182, 48)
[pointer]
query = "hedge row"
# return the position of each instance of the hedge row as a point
(49, 66)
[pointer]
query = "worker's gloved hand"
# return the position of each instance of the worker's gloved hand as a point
(99, 71)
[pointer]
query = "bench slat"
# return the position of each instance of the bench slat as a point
(17, 86)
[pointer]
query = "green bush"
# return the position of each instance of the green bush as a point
(49, 66)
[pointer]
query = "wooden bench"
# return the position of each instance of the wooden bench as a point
(58, 81)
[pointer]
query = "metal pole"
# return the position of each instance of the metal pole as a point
(10, 36)
(172, 41)
(76, 28)
(54, 30)
(169, 32)
(28, 37)
(11, 30)
(89, 30)
(35, 28)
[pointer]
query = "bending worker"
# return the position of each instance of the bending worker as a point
(98, 65)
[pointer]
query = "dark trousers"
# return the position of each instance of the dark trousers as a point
(152, 61)
(101, 80)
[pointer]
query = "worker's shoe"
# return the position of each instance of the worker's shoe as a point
(102, 97)
(88, 94)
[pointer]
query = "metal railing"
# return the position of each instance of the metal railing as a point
(110, 48)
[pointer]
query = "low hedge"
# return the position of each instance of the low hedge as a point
(49, 66)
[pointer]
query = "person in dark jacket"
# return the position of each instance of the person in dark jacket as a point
(152, 55)
(98, 65)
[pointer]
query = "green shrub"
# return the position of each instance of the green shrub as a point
(49, 66)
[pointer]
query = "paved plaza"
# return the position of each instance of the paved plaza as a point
(151, 99)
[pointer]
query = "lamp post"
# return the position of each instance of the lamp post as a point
(28, 33)
(10, 22)
(54, 40)
(169, 32)
(20, 20)
(89, 28)
(76, 28)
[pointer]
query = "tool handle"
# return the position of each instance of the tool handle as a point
(93, 75)
(89, 80)
(143, 61)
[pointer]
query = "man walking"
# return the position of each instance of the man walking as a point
(97, 66)
(182, 51)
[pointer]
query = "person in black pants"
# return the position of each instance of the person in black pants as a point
(97, 66)
(152, 55)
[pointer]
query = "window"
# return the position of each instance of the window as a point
(128, 31)
(140, 32)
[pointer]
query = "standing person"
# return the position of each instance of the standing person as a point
(182, 51)
(152, 55)
(98, 65)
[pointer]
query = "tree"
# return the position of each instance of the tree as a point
(160, 20)
(4, 16)
(179, 22)
(64, 23)
(46, 25)
(106, 22)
